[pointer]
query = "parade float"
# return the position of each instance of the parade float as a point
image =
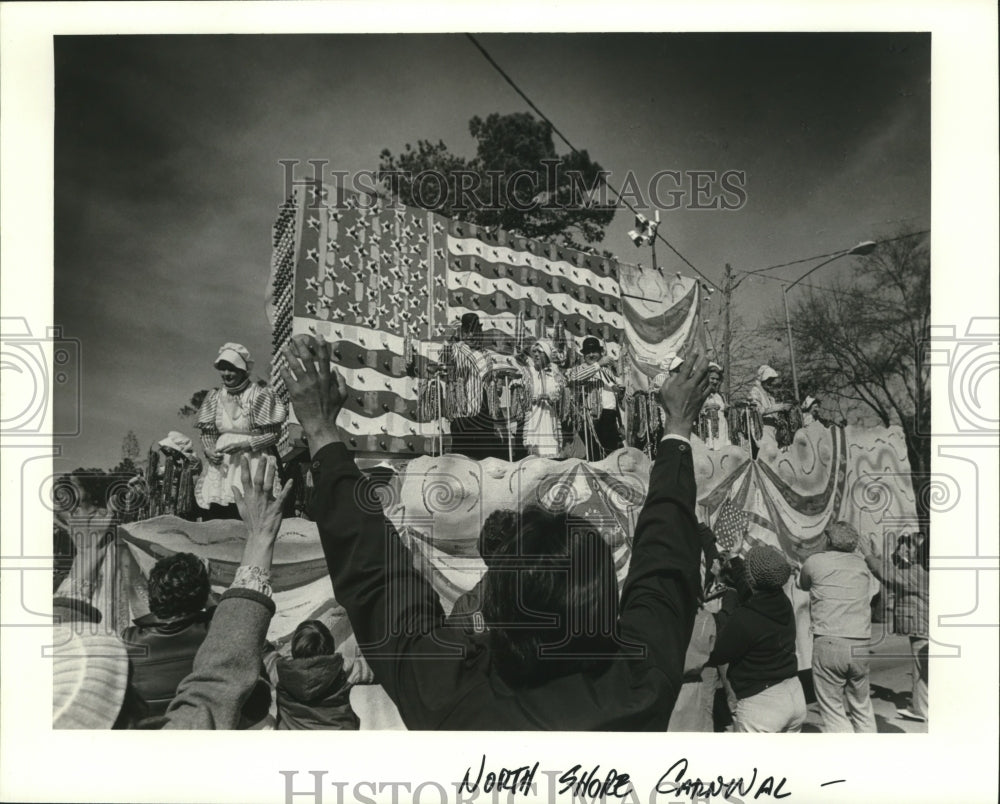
(384, 285)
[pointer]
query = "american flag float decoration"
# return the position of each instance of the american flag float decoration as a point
(384, 283)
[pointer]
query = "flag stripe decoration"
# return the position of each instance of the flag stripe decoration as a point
(662, 316)
(730, 526)
(382, 283)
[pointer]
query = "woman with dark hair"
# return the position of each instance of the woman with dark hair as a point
(562, 574)
(906, 575)
(172, 632)
(499, 529)
(312, 687)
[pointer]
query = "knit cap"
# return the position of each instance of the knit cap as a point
(766, 568)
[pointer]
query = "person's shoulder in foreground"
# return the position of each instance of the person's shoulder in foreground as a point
(515, 677)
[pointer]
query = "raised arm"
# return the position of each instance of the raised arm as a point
(877, 565)
(660, 596)
(228, 663)
(391, 606)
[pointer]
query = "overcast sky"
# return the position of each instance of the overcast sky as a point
(167, 175)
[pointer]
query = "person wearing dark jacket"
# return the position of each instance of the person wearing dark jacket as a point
(532, 676)
(312, 689)
(493, 540)
(165, 641)
(758, 642)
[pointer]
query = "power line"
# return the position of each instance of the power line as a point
(573, 148)
(831, 254)
(816, 287)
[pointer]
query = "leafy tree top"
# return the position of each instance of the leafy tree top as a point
(516, 182)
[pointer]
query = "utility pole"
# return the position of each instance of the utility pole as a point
(727, 296)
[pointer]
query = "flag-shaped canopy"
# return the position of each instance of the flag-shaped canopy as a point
(383, 283)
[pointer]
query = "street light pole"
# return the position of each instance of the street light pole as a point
(727, 335)
(791, 343)
(863, 248)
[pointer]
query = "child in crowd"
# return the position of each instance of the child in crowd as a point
(313, 690)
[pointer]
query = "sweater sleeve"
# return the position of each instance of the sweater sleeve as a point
(394, 610)
(227, 665)
(659, 599)
(732, 640)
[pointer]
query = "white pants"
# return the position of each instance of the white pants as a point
(780, 708)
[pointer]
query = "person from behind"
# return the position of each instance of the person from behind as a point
(313, 691)
(166, 640)
(495, 539)
(559, 651)
(838, 583)
(758, 643)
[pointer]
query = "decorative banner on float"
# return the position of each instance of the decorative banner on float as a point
(383, 284)
(439, 503)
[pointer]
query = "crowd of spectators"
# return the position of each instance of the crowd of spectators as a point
(546, 640)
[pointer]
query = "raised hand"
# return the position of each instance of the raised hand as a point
(260, 510)
(683, 394)
(316, 392)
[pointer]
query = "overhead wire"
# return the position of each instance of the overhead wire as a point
(621, 199)
(565, 139)
(821, 256)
